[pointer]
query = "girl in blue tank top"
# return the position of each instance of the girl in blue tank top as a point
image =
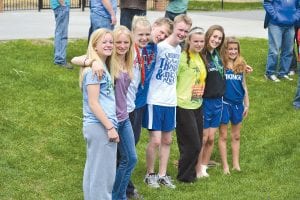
(235, 101)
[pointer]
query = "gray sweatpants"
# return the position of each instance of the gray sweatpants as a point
(100, 165)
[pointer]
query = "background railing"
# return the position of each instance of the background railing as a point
(11, 5)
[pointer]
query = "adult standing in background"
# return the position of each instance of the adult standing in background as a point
(281, 16)
(176, 7)
(102, 14)
(130, 8)
(61, 9)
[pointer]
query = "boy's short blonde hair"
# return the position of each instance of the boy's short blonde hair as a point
(183, 18)
(165, 21)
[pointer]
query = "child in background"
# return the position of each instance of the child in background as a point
(159, 116)
(121, 63)
(235, 101)
(213, 93)
(99, 122)
(189, 115)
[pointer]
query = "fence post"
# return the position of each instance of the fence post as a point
(40, 5)
(83, 5)
(1, 6)
(160, 5)
(222, 4)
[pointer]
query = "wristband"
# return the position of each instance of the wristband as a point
(85, 61)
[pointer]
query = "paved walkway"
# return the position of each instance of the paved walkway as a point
(35, 25)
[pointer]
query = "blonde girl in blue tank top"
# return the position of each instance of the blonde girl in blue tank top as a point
(235, 102)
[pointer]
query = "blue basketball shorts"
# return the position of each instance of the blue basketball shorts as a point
(212, 112)
(232, 113)
(159, 118)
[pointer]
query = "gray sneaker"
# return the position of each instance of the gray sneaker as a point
(292, 73)
(166, 181)
(66, 66)
(151, 180)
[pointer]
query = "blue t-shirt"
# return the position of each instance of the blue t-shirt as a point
(235, 92)
(106, 98)
(55, 3)
(98, 7)
(149, 57)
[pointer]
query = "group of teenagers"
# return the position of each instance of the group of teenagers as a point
(144, 78)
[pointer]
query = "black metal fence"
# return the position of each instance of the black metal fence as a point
(11, 5)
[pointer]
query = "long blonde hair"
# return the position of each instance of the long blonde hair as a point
(239, 64)
(91, 52)
(114, 61)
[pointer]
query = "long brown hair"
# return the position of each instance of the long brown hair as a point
(208, 34)
(239, 64)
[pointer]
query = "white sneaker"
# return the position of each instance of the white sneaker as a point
(272, 78)
(287, 77)
(203, 175)
(291, 73)
(203, 172)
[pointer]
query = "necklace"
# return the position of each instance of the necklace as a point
(216, 61)
(141, 63)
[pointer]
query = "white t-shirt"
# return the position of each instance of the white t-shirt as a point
(134, 84)
(162, 90)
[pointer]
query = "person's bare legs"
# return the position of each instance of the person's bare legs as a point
(166, 140)
(209, 145)
(223, 147)
(235, 145)
(153, 145)
(200, 162)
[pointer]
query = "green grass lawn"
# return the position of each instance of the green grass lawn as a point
(43, 152)
(205, 5)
